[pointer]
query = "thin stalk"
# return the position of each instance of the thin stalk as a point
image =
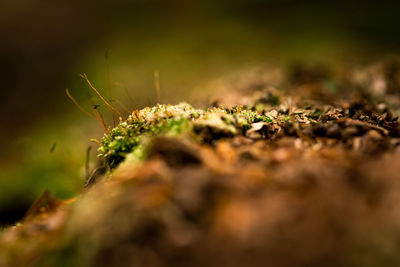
(101, 97)
(77, 104)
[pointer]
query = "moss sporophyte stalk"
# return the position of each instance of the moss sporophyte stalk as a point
(172, 120)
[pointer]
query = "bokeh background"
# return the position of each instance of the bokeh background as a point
(45, 45)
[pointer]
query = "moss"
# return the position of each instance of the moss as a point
(205, 125)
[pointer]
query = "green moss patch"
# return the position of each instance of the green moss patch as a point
(203, 125)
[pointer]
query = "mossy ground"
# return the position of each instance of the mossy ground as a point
(292, 173)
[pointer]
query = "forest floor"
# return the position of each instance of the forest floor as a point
(296, 167)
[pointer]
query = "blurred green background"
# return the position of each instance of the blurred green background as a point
(45, 45)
